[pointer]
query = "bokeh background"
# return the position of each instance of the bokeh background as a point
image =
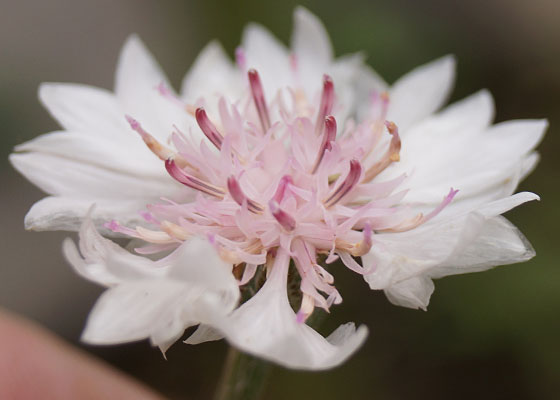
(493, 335)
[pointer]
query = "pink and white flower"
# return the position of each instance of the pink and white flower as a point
(263, 173)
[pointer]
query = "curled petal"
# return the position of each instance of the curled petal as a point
(152, 300)
(471, 242)
(267, 327)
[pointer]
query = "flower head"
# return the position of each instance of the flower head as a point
(261, 175)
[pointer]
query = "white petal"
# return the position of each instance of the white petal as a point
(501, 206)
(84, 108)
(513, 139)
(501, 190)
(67, 214)
(65, 176)
(412, 293)
(197, 262)
(529, 164)
(104, 262)
(400, 256)
(100, 115)
(439, 140)
(152, 299)
(266, 326)
(212, 74)
(469, 242)
(367, 82)
(268, 56)
(311, 46)
(477, 159)
(499, 242)
(475, 111)
(421, 92)
(90, 149)
(345, 72)
(137, 78)
(137, 74)
(131, 311)
(204, 333)
(354, 83)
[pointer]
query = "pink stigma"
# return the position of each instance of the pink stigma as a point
(237, 194)
(349, 183)
(188, 180)
(286, 220)
(329, 136)
(327, 101)
(281, 189)
(258, 98)
(208, 128)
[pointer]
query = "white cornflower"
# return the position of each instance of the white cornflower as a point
(261, 174)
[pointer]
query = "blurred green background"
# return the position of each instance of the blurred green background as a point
(493, 335)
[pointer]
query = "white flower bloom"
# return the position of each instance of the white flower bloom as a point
(285, 170)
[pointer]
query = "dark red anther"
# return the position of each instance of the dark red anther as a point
(329, 136)
(208, 128)
(258, 98)
(326, 105)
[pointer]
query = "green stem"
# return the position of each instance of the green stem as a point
(243, 377)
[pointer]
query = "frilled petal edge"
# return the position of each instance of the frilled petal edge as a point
(473, 241)
(266, 326)
(152, 299)
(67, 214)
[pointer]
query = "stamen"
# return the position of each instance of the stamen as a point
(328, 137)
(420, 218)
(281, 189)
(349, 261)
(149, 217)
(114, 226)
(168, 94)
(365, 245)
(208, 128)
(175, 230)
(190, 109)
(407, 225)
(392, 154)
(237, 194)
(195, 183)
(248, 273)
(258, 98)
(286, 220)
(162, 152)
(156, 147)
(326, 105)
(446, 200)
(157, 237)
(345, 187)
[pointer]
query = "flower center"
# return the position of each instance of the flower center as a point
(280, 177)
